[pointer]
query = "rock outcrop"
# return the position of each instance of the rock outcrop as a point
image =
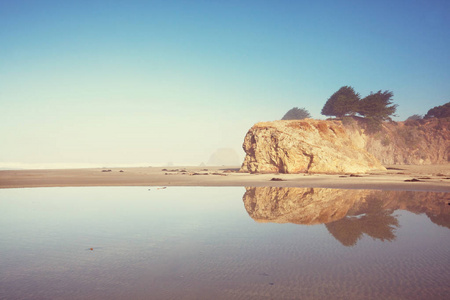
(302, 146)
(315, 146)
(419, 142)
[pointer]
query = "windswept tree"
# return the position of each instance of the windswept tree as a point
(377, 106)
(296, 114)
(343, 102)
(414, 117)
(442, 111)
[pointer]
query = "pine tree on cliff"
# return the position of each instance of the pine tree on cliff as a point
(296, 114)
(343, 102)
(377, 106)
(414, 117)
(442, 111)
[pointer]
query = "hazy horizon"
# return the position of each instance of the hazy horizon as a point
(141, 83)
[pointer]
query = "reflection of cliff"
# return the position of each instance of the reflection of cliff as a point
(299, 205)
(348, 214)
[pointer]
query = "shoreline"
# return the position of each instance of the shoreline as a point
(434, 178)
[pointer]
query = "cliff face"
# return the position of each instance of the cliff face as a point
(317, 146)
(304, 146)
(418, 142)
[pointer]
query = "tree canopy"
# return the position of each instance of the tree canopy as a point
(342, 103)
(377, 106)
(442, 111)
(414, 117)
(296, 114)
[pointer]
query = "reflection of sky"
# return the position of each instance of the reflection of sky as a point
(114, 211)
(143, 238)
(84, 213)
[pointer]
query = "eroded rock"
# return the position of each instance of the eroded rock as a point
(304, 146)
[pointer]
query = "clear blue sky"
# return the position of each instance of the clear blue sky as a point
(148, 82)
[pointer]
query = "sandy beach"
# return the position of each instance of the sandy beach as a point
(397, 177)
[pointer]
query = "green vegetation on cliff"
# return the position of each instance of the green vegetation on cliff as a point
(342, 103)
(442, 111)
(296, 114)
(376, 107)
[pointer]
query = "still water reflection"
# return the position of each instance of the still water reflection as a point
(347, 214)
(200, 243)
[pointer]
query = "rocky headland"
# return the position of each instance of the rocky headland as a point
(348, 146)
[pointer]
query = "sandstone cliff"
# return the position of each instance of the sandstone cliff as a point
(304, 146)
(317, 146)
(412, 142)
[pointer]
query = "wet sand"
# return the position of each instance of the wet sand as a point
(426, 178)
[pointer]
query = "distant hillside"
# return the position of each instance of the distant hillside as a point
(224, 157)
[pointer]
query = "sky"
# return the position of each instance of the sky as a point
(102, 83)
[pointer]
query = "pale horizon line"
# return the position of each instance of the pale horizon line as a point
(43, 166)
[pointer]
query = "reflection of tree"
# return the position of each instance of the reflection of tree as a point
(439, 219)
(376, 222)
(345, 230)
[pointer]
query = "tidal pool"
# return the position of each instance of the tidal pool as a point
(223, 243)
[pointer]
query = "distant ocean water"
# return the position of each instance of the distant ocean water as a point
(37, 166)
(43, 166)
